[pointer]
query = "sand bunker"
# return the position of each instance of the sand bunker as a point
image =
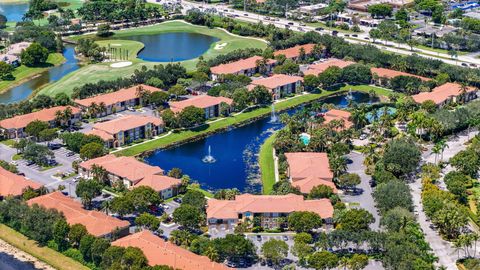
(121, 64)
(220, 46)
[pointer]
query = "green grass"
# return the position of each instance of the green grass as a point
(45, 254)
(437, 50)
(48, 167)
(267, 164)
(24, 73)
(17, 157)
(219, 125)
(133, 47)
(96, 72)
(8, 142)
(366, 89)
(206, 193)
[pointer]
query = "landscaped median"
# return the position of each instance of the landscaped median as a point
(45, 254)
(267, 164)
(205, 130)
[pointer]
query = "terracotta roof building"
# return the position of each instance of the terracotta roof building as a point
(318, 68)
(128, 170)
(211, 105)
(294, 52)
(166, 186)
(116, 101)
(127, 129)
(246, 66)
(445, 93)
(382, 76)
(280, 85)
(341, 115)
(161, 252)
(13, 184)
(15, 127)
(97, 223)
(269, 208)
(309, 169)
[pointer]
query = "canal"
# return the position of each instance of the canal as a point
(235, 152)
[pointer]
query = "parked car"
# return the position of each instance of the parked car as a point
(363, 136)
(54, 146)
(70, 153)
(302, 24)
(29, 162)
(319, 29)
(177, 200)
(21, 174)
(334, 32)
(131, 109)
(285, 238)
(259, 238)
(464, 64)
(290, 23)
(354, 35)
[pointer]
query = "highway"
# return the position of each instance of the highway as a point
(362, 38)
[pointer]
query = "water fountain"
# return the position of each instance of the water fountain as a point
(349, 96)
(273, 117)
(209, 158)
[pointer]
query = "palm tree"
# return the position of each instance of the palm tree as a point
(436, 150)
(93, 109)
(102, 108)
(99, 173)
(443, 145)
(107, 206)
(211, 253)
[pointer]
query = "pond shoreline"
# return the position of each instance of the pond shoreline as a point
(14, 259)
(238, 124)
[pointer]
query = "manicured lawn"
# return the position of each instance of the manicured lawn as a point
(436, 50)
(366, 89)
(96, 72)
(206, 193)
(9, 142)
(133, 47)
(17, 157)
(218, 125)
(53, 258)
(267, 165)
(23, 73)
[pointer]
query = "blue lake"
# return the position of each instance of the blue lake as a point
(172, 47)
(23, 91)
(13, 11)
(235, 151)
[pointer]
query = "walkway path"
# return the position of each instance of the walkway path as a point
(442, 249)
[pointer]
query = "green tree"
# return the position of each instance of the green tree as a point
(92, 150)
(310, 82)
(380, 10)
(467, 162)
(177, 90)
(47, 134)
(76, 233)
(331, 76)
(357, 74)
(188, 216)
(34, 55)
(191, 116)
(175, 173)
(320, 191)
(87, 190)
(143, 197)
(147, 221)
(275, 250)
(195, 198)
(98, 248)
(358, 262)
(60, 234)
(304, 221)
(85, 246)
(349, 180)
(401, 156)
(394, 193)
(158, 98)
(103, 30)
(354, 220)
(39, 154)
(323, 260)
(6, 70)
(260, 95)
(396, 219)
(35, 127)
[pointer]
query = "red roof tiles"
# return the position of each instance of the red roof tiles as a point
(13, 184)
(45, 115)
(97, 223)
(238, 66)
(294, 52)
(125, 123)
(202, 101)
(116, 97)
(390, 73)
(441, 93)
(159, 182)
(318, 68)
(275, 81)
(335, 114)
(309, 169)
(229, 209)
(160, 252)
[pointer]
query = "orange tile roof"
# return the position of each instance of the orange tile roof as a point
(100, 133)
(441, 93)
(14, 184)
(275, 81)
(159, 182)
(335, 114)
(307, 184)
(45, 115)
(161, 252)
(126, 122)
(97, 223)
(309, 164)
(294, 52)
(202, 101)
(115, 97)
(390, 73)
(238, 66)
(318, 68)
(125, 167)
(229, 209)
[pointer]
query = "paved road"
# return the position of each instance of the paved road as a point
(361, 39)
(442, 249)
(365, 200)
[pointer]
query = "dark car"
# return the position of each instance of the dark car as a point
(372, 182)
(69, 154)
(290, 23)
(464, 64)
(259, 238)
(29, 162)
(354, 35)
(177, 200)
(319, 29)
(334, 32)
(21, 174)
(54, 146)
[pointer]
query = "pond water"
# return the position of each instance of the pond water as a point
(13, 11)
(24, 90)
(235, 151)
(172, 47)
